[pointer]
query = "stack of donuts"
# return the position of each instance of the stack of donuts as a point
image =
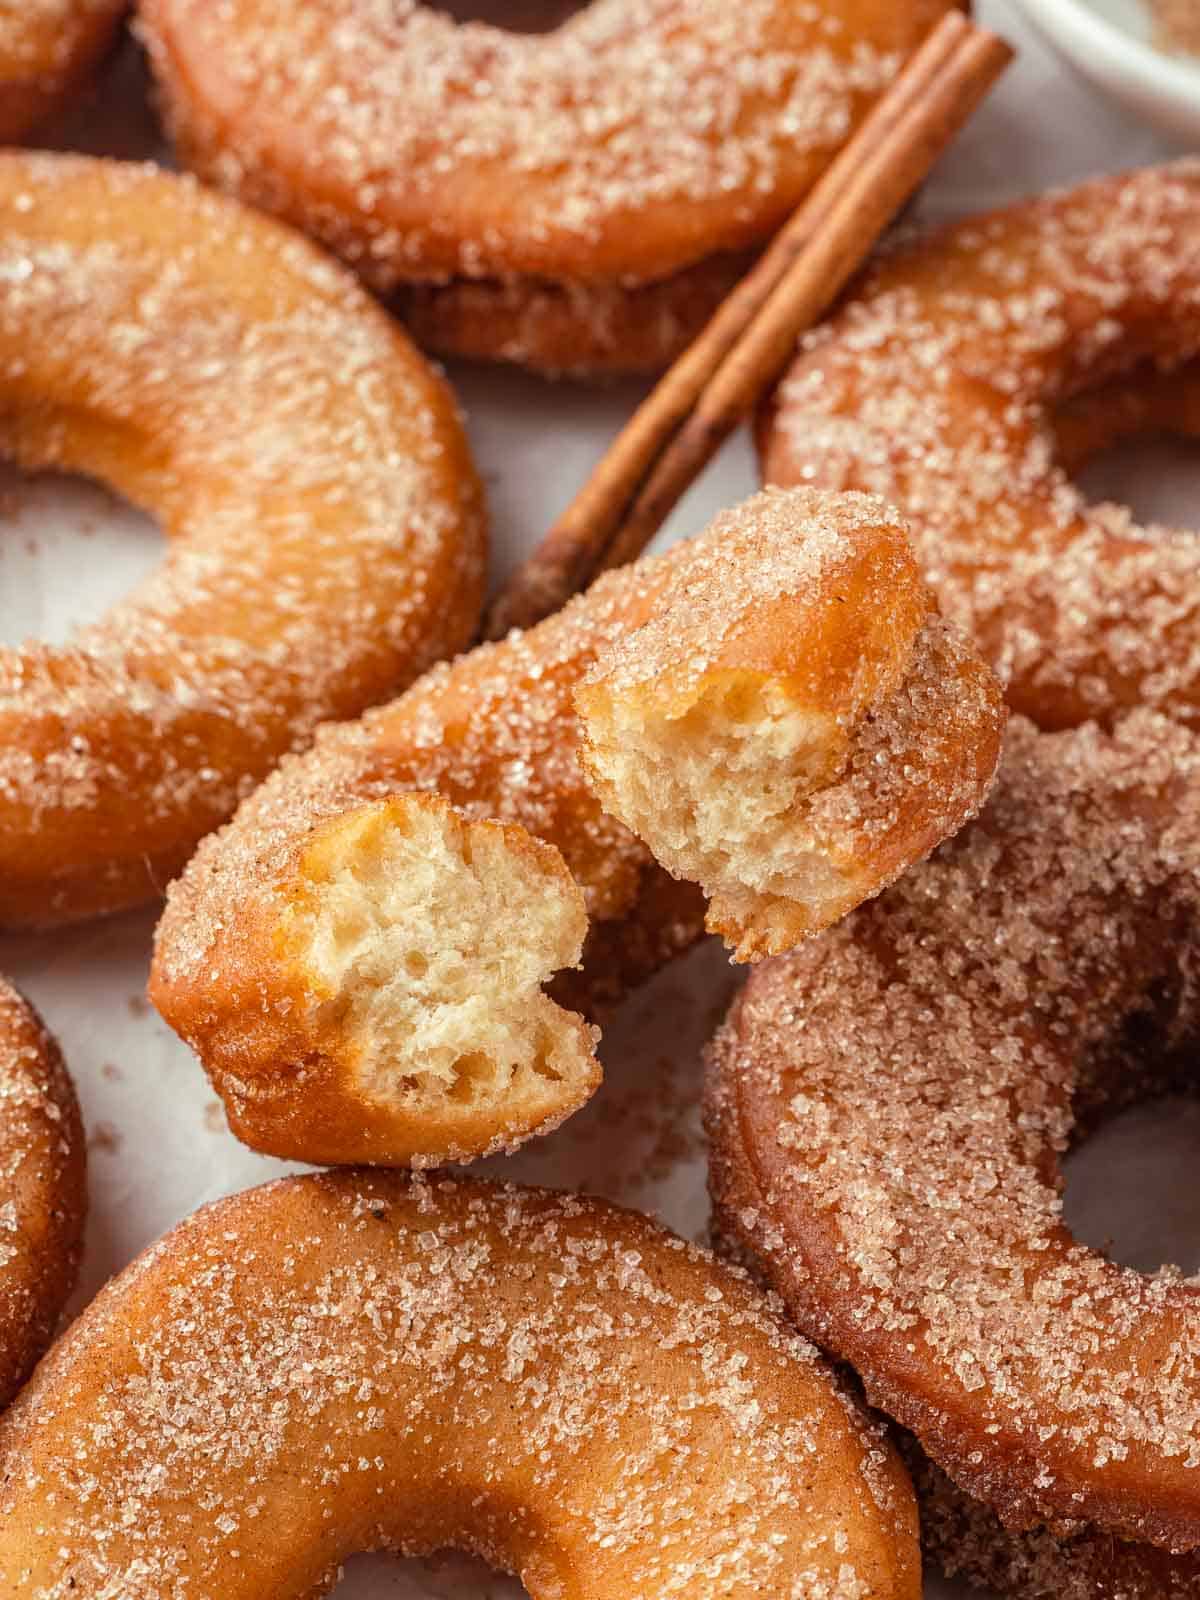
(915, 730)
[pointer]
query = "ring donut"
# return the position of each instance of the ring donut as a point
(310, 471)
(850, 722)
(43, 1182)
(943, 386)
(48, 48)
(889, 1106)
(372, 1363)
(613, 152)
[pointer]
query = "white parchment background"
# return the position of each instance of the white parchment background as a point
(159, 1146)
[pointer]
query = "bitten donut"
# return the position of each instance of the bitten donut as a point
(335, 1364)
(42, 1185)
(941, 386)
(889, 1106)
(869, 750)
(48, 48)
(310, 471)
(618, 150)
(758, 734)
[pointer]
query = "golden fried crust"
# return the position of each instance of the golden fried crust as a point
(569, 330)
(309, 470)
(332, 1364)
(617, 148)
(48, 48)
(495, 733)
(889, 1105)
(955, 384)
(43, 1188)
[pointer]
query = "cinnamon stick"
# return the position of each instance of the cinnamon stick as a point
(716, 382)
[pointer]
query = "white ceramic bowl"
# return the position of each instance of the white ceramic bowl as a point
(1109, 41)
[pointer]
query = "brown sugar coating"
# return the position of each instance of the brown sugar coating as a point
(48, 49)
(324, 522)
(889, 1106)
(940, 385)
(332, 1364)
(43, 1188)
(569, 330)
(619, 147)
(495, 733)
(963, 1539)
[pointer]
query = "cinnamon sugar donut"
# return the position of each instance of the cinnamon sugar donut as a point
(942, 385)
(309, 469)
(634, 141)
(47, 50)
(889, 1106)
(43, 1195)
(894, 751)
(341, 1363)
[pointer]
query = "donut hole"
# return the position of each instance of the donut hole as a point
(432, 937)
(69, 549)
(1132, 443)
(1131, 1188)
(513, 16)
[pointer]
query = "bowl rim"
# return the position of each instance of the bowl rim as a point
(1121, 53)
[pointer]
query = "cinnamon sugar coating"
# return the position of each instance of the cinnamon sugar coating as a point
(495, 733)
(889, 1106)
(636, 139)
(332, 1364)
(48, 49)
(938, 385)
(311, 475)
(43, 1194)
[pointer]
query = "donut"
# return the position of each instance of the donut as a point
(964, 1540)
(43, 1185)
(312, 1057)
(325, 522)
(48, 49)
(946, 384)
(742, 731)
(330, 1364)
(569, 330)
(888, 1107)
(615, 151)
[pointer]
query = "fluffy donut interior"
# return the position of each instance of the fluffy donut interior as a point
(716, 789)
(433, 935)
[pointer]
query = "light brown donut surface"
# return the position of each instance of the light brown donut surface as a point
(310, 472)
(908, 744)
(43, 1194)
(334, 1364)
(620, 147)
(47, 50)
(942, 385)
(890, 1103)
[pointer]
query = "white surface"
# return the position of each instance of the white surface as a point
(1111, 42)
(159, 1146)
